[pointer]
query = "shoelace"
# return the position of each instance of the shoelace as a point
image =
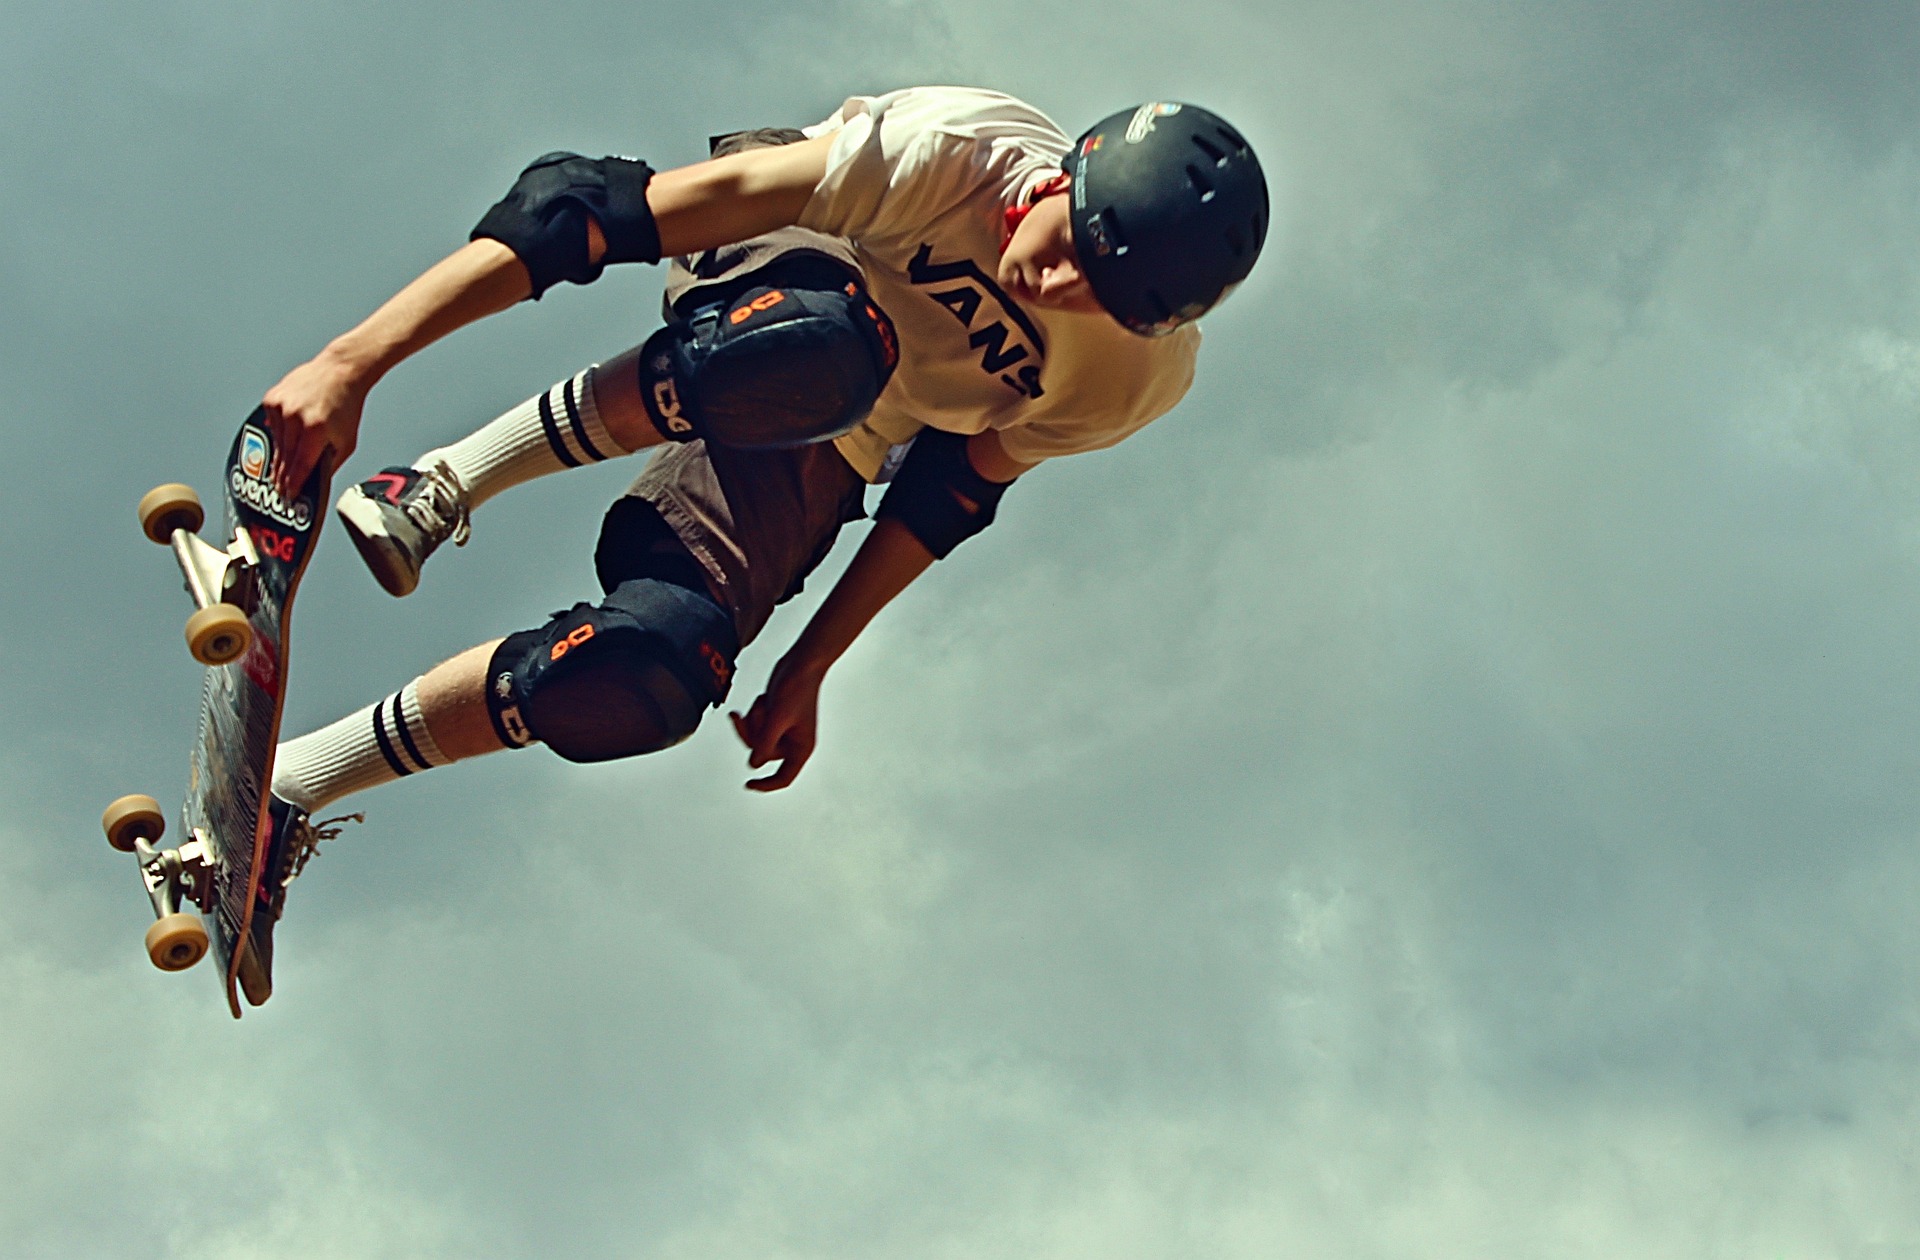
(306, 842)
(439, 506)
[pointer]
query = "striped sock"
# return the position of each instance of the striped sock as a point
(558, 428)
(379, 744)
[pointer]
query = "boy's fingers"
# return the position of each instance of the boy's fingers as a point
(758, 733)
(768, 746)
(787, 771)
(295, 464)
(795, 748)
(772, 733)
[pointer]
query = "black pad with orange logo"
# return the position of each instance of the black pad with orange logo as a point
(794, 353)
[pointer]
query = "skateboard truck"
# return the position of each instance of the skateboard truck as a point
(218, 577)
(174, 877)
(222, 583)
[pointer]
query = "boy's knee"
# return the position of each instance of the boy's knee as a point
(631, 675)
(798, 354)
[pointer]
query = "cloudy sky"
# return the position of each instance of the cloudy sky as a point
(1452, 789)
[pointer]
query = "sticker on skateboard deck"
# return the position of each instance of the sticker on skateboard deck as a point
(243, 595)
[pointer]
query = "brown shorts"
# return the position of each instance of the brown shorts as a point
(757, 521)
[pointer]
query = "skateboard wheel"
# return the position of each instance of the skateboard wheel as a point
(176, 942)
(218, 633)
(170, 507)
(133, 818)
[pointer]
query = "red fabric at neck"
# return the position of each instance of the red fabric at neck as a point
(1016, 215)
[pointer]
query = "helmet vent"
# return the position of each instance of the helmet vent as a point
(1232, 138)
(1212, 150)
(1199, 181)
(1117, 237)
(1160, 304)
(1236, 242)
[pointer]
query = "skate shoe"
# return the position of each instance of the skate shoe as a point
(398, 516)
(294, 840)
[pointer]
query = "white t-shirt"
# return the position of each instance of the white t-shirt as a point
(920, 181)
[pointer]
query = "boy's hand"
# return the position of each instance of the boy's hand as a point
(313, 410)
(781, 726)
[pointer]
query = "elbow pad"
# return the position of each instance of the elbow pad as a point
(937, 494)
(543, 217)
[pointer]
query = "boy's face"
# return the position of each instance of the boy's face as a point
(1039, 266)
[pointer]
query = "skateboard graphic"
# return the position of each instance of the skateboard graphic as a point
(243, 595)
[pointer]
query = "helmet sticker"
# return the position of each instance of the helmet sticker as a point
(1141, 125)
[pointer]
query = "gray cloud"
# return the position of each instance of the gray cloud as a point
(1448, 790)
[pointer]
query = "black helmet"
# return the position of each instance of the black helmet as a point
(1169, 212)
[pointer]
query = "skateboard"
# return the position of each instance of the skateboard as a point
(243, 597)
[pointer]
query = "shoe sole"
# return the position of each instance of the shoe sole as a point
(382, 557)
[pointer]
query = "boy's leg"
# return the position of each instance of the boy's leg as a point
(785, 353)
(399, 516)
(632, 674)
(693, 563)
(435, 720)
(562, 427)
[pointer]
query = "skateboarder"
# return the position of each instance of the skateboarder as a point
(934, 288)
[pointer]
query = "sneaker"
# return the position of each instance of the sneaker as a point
(293, 843)
(398, 516)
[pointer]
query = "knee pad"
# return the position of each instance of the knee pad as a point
(633, 674)
(770, 365)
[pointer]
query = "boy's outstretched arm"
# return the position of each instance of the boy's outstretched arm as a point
(317, 406)
(782, 725)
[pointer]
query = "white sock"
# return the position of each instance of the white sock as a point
(558, 428)
(378, 744)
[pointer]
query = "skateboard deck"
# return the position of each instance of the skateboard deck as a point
(253, 575)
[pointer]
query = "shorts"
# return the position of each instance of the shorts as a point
(757, 522)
